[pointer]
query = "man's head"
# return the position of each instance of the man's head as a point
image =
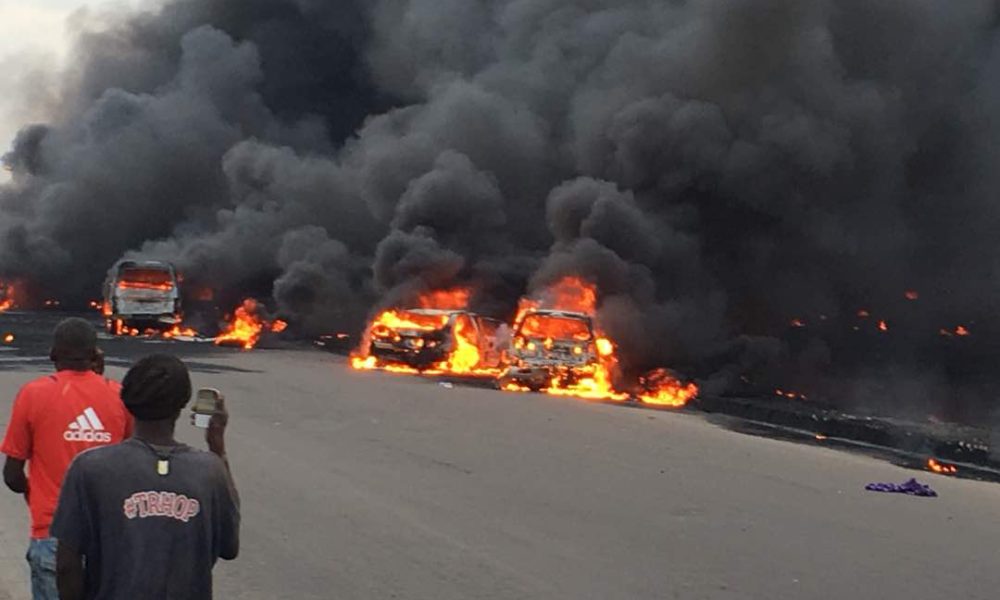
(156, 388)
(74, 345)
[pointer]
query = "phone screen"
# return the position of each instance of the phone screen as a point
(206, 401)
(205, 405)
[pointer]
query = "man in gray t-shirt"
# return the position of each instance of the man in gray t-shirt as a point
(149, 517)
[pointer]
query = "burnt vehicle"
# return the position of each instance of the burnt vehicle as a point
(425, 338)
(551, 348)
(141, 295)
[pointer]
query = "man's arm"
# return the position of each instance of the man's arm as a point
(229, 498)
(72, 525)
(215, 437)
(229, 517)
(17, 445)
(69, 571)
(14, 476)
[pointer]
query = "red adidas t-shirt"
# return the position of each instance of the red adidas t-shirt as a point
(55, 418)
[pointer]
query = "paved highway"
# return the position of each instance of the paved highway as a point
(371, 486)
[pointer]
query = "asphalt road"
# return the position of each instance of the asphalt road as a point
(371, 486)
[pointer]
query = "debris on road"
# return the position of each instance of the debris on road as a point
(910, 488)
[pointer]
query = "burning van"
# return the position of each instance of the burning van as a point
(552, 348)
(427, 339)
(141, 295)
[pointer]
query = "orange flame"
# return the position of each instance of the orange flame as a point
(570, 294)
(798, 323)
(7, 297)
(960, 331)
(883, 326)
(388, 322)
(364, 362)
(177, 330)
(463, 358)
(453, 299)
(119, 328)
(941, 468)
(144, 285)
(661, 388)
(595, 381)
(912, 295)
(596, 386)
(246, 326)
(8, 338)
(604, 346)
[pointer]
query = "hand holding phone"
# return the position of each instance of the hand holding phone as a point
(205, 405)
(209, 413)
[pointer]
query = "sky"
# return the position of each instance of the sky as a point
(33, 43)
(33, 46)
(33, 25)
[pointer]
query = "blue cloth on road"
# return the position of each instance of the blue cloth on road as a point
(42, 559)
(910, 488)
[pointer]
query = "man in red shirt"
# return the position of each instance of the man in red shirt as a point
(55, 418)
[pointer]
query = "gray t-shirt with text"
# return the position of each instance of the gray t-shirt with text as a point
(143, 534)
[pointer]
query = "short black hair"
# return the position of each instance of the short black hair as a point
(157, 387)
(74, 341)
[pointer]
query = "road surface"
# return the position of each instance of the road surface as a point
(371, 486)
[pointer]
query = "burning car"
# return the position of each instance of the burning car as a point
(553, 349)
(428, 339)
(141, 295)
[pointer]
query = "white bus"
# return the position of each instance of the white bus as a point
(141, 295)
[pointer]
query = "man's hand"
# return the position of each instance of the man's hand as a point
(97, 364)
(14, 476)
(215, 435)
(69, 572)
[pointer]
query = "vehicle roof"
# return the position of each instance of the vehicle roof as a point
(433, 312)
(567, 314)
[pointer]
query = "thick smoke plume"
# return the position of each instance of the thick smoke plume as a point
(719, 168)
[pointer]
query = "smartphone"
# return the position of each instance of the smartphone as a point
(205, 405)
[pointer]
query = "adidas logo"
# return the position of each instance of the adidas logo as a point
(87, 428)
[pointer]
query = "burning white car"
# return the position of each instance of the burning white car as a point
(141, 295)
(552, 348)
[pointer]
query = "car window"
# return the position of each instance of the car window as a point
(549, 326)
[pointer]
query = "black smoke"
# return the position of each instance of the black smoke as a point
(719, 168)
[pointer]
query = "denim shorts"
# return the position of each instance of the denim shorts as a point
(42, 559)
